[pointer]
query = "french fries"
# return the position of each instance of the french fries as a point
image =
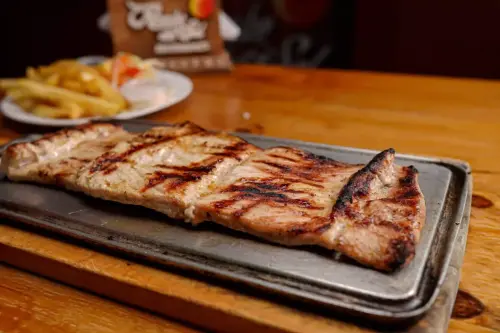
(48, 111)
(73, 109)
(32, 74)
(65, 89)
(73, 85)
(53, 79)
(87, 74)
(26, 103)
(60, 96)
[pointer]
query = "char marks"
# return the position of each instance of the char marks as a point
(301, 173)
(83, 160)
(181, 175)
(159, 177)
(286, 158)
(107, 163)
(408, 184)
(386, 200)
(359, 183)
(283, 170)
(306, 158)
(401, 249)
(262, 192)
(265, 184)
(306, 168)
(234, 150)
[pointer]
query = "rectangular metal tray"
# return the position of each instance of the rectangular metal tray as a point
(308, 274)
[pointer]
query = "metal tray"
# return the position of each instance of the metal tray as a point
(308, 274)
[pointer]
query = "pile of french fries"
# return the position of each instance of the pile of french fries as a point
(65, 89)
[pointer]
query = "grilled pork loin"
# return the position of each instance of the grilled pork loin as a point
(372, 213)
(282, 194)
(165, 168)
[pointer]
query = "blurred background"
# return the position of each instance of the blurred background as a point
(451, 38)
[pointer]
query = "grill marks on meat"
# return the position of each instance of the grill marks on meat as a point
(262, 192)
(275, 190)
(358, 185)
(107, 163)
(265, 184)
(234, 150)
(182, 175)
(372, 213)
(166, 169)
(298, 166)
(278, 194)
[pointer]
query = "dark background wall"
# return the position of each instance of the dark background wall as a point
(36, 32)
(446, 37)
(455, 38)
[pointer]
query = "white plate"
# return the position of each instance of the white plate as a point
(146, 96)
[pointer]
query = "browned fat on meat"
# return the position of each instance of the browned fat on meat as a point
(372, 213)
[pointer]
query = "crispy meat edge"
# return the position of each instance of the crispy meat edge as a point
(401, 250)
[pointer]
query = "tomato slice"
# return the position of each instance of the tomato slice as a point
(132, 72)
(123, 67)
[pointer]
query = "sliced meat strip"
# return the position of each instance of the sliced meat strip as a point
(166, 168)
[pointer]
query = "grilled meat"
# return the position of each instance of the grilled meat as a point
(165, 168)
(282, 194)
(57, 158)
(372, 213)
(378, 215)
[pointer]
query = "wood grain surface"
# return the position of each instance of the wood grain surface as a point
(33, 304)
(417, 115)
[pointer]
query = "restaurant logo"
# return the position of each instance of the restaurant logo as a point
(176, 32)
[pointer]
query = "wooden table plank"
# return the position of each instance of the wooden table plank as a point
(419, 115)
(32, 304)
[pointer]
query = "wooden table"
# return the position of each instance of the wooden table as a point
(416, 115)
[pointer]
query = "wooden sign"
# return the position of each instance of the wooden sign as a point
(182, 34)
